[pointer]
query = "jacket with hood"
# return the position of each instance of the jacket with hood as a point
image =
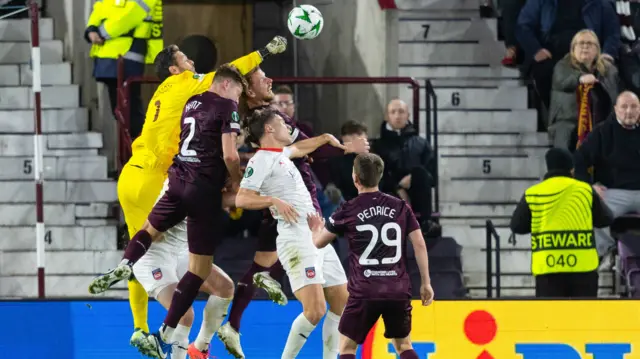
(402, 151)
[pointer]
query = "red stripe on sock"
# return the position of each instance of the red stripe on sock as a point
(387, 4)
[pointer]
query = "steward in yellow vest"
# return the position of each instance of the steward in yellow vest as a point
(131, 29)
(560, 213)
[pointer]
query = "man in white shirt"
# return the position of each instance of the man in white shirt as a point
(272, 181)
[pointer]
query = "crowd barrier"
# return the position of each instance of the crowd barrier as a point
(606, 329)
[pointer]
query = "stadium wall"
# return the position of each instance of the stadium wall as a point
(575, 329)
(353, 43)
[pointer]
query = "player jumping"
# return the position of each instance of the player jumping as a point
(376, 226)
(142, 178)
(266, 271)
(273, 181)
(208, 151)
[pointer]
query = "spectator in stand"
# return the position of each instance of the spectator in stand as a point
(584, 88)
(510, 11)
(283, 100)
(546, 27)
(342, 167)
(408, 158)
(613, 150)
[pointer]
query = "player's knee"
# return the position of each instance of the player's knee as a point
(187, 318)
(314, 313)
(402, 345)
(224, 287)
(155, 234)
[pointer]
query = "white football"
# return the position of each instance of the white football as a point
(305, 22)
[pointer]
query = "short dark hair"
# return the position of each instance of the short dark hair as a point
(165, 59)
(353, 128)
(254, 124)
(368, 168)
(283, 90)
(229, 72)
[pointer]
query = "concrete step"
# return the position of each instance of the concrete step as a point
(447, 54)
(56, 286)
(59, 262)
(460, 121)
(60, 96)
(22, 145)
(488, 210)
(496, 166)
(53, 121)
(511, 261)
(530, 152)
(476, 237)
(473, 82)
(419, 7)
(20, 52)
(59, 192)
(61, 168)
(484, 190)
(59, 238)
(453, 70)
(25, 214)
(494, 139)
(474, 222)
(52, 74)
(20, 29)
(501, 98)
(412, 29)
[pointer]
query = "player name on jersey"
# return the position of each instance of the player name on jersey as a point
(371, 212)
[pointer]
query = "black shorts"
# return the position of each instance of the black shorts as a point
(360, 316)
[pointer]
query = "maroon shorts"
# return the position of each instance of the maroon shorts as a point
(360, 316)
(201, 205)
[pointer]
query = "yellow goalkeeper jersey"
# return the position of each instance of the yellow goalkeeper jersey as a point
(158, 143)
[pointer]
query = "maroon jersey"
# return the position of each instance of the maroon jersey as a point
(376, 227)
(301, 163)
(206, 117)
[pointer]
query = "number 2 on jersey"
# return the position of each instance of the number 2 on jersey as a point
(184, 150)
(384, 235)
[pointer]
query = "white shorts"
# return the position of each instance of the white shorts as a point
(166, 261)
(163, 264)
(312, 266)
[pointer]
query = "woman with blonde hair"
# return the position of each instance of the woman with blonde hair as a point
(583, 91)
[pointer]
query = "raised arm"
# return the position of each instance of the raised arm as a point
(305, 147)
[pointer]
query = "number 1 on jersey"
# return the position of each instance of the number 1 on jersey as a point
(184, 150)
(384, 234)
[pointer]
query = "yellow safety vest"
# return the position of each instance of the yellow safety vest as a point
(122, 21)
(562, 239)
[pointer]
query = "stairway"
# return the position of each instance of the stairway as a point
(81, 236)
(490, 151)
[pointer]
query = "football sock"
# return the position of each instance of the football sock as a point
(245, 291)
(409, 354)
(180, 342)
(139, 303)
(213, 314)
(330, 336)
(347, 356)
(183, 298)
(276, 271)
(300, 331)
(137, 247)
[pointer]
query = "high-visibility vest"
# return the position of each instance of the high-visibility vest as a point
(120, 22)
(562, 239)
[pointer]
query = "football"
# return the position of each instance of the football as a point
(305, 22)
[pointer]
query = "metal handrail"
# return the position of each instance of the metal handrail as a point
(431, 104)
(491, 235)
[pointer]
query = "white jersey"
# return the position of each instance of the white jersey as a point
(271, 173)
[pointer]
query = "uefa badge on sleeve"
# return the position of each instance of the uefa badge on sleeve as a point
(157, 274)
(310, 272)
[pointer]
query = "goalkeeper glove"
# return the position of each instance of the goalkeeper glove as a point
(276, 46)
